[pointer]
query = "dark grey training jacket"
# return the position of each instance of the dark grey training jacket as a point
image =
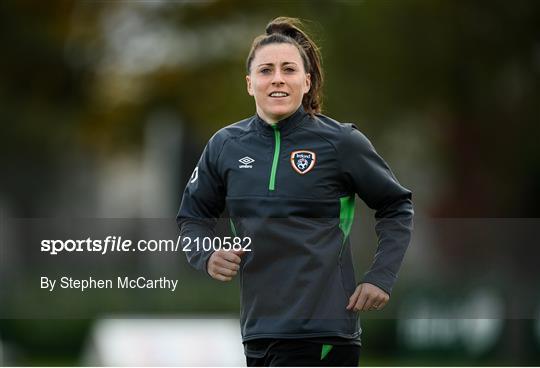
(291, 188)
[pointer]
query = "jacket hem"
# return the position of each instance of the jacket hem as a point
(300, 335)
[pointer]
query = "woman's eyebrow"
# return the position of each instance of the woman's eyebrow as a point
(272, 64)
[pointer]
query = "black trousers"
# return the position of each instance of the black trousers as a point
(291, 353)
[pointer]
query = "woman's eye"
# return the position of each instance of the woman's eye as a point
(289, 70)
(265, 70)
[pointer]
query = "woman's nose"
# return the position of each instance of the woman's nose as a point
(277, 78)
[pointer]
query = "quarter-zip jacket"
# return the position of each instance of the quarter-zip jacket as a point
(291, 188)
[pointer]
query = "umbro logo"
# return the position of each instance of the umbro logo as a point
(246, 162)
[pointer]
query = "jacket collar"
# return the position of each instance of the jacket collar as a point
(285, 126)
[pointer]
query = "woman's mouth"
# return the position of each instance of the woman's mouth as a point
(278, 94)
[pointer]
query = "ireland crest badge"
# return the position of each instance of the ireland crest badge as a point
(303, 161)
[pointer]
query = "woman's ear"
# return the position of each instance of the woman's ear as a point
(248, 85)
(308, 83)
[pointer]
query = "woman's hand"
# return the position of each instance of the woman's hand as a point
(224, 265)
(367, 297)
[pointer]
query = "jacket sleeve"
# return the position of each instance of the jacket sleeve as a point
(367, 174)
(202, 203)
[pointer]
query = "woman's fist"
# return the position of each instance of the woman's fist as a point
(367, 297)
(224, 265)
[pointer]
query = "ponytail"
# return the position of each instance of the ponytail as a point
(289, 30)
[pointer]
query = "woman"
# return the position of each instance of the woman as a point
(288, 177)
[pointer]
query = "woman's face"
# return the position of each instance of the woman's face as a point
(277, 81)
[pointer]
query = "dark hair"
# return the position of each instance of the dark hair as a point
(289, 30)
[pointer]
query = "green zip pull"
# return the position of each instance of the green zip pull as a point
(277, 135)
(233, 228)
